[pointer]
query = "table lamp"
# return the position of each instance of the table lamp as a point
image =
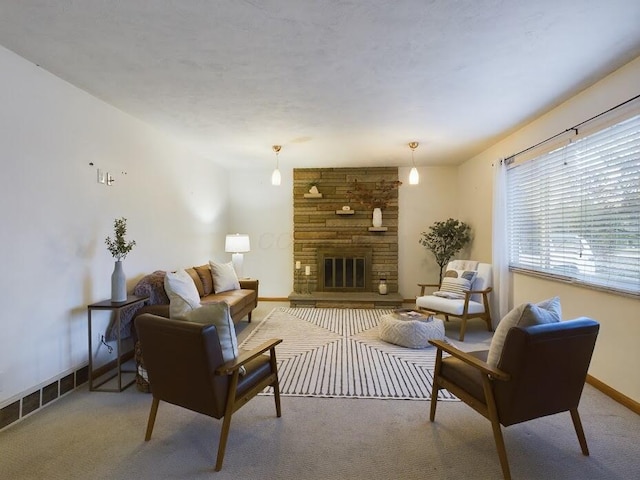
(237, 244)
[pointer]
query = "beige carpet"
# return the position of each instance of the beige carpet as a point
(336, 352)
(94, 435)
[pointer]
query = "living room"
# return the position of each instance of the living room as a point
(180, 205)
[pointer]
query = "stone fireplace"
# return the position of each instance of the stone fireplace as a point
(335, 238)
(344, 270)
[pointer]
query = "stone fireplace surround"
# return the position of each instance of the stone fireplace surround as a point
(319, 223)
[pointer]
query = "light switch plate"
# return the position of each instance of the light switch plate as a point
(101, 176)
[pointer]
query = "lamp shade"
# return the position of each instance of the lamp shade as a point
(237, 243)
(276, 178)
(414, 176)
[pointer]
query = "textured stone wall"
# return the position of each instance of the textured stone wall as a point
(317, 225)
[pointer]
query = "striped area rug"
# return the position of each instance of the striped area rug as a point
(335, 352)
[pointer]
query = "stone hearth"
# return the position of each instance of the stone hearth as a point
(321, 224)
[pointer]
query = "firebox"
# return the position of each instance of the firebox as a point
(344, 270)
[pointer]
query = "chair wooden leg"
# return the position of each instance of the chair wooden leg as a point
(152, 419)
(495, 425)
(579, 431)
(436, 387)
(276, 383)
(224, 434)
(502, 451)
(463, 329)
(487, 319)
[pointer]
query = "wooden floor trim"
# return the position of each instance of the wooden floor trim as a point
(622, 399)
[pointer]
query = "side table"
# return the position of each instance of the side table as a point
(117, 308)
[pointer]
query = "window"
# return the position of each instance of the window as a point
(574, 212)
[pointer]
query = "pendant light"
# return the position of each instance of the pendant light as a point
(414, 176)
(276, 178)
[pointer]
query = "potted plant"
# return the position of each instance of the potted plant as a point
(444, 239)
(119, 249)
(377, 197)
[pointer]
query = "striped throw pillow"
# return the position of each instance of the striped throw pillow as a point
(453, 287)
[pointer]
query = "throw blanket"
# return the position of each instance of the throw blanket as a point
(151, 285)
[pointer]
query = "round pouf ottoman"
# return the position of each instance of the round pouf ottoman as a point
(410, 332)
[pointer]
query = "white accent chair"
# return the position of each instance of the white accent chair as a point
(475, 304)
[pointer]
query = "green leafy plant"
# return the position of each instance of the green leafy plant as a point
(378, 196)
(119, 247)
(445, 239)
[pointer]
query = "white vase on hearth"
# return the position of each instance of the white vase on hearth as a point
(377, 217)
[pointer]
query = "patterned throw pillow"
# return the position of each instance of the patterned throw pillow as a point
(455, 283)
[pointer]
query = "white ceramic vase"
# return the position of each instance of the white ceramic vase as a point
(118, 283)
(377, 217)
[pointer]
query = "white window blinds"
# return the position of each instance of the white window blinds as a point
(574, 212)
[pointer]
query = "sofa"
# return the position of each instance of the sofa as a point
(241, 302)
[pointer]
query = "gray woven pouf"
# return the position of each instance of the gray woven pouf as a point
(408, 332)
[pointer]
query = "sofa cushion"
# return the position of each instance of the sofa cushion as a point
(224, 277)
(182, 292)
(204, 272)
(237, 300)
(196, 280)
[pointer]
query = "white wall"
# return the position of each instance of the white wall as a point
(265, 212)
(55, 215)
(434, 199)
(616, 356)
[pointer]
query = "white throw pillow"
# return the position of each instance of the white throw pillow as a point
(525, 315)
(224, 277)
(218, 314)
(182, 292)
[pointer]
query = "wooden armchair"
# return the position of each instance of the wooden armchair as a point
(186, 368)
(541, 372)
(474, 304)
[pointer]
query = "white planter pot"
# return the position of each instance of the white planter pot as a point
(377, 217)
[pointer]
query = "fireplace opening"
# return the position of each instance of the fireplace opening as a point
(344, 270)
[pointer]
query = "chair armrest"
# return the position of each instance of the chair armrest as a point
(423, 285)
(470, 360)
(486, 290)
(246, 356)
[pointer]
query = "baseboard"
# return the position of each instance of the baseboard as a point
(273, 299)
(622, 399)
(34, 399)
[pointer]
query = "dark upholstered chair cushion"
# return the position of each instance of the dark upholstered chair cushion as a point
(464, 375)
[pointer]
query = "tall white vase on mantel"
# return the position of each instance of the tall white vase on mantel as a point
(118, 283)
(377, 217)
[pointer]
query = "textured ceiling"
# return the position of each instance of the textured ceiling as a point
(337, 83)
